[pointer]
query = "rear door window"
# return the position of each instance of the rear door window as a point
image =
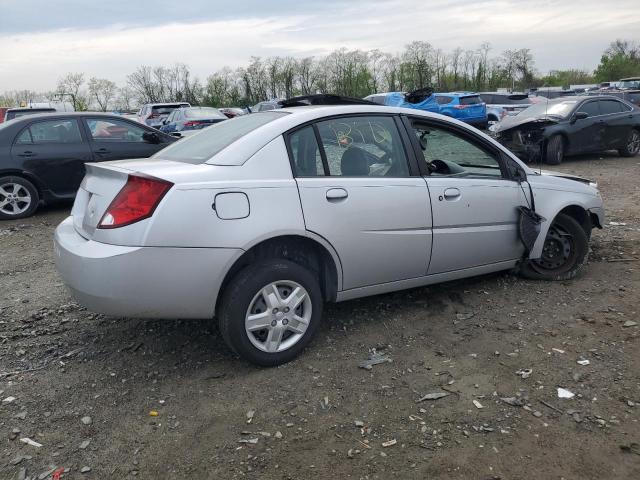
(108, 130)
(608, 107)
(307, 160)
(52, 131)
(473, 100)
(444, 100)
(367, 146)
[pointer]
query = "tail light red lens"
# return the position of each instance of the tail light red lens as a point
(460, 107)
(136, 201)
(192, 123)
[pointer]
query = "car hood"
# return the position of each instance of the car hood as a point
(514, 121)
(568, 176)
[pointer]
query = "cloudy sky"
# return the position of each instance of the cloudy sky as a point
(40, 40)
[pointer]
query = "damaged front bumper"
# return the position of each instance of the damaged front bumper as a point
(526, 144)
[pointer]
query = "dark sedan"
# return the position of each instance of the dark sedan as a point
(551, 130)
(191, 118)
(42, 156)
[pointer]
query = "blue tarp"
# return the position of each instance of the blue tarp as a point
(397, 99)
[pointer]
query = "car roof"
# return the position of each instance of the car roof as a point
(30, 109)
(57, 115)
(165, 104)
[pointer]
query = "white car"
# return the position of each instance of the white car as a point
(260, 219)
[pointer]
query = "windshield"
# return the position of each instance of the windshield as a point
(556, 109)
(203, 146)
(630, 84)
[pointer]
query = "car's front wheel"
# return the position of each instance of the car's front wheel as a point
(270, 311)
(555, 150)
(564, 252)
(18, 198)
(632, 146)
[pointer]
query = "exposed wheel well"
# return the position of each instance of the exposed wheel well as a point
(301, 250)
(581, 216)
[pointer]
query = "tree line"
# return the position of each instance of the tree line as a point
(356, 73)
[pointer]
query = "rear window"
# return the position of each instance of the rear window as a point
(444, 100)
(610, 106)
(203, 146)
(473, 100)
(203, 113)
(162, 109)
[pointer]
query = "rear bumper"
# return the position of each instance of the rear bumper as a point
(148, 282)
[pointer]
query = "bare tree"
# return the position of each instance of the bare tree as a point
(70, 86)
(102, 91)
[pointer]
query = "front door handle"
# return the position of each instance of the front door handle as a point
(451, 194)
(27, 154)
(336, 194)
(103, 151)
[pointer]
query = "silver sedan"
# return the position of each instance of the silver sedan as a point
(261, 219)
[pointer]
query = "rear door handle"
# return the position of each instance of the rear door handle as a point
(103, 151)
(336, 194)
(451, 193)
(27, 154)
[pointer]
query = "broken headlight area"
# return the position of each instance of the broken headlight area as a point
(526, 143)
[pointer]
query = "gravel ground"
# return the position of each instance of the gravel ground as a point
(123, 398)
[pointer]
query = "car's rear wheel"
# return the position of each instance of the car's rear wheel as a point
(270, 311)
(18, 198)
(632, 146)
(564, 252)
(555, 150)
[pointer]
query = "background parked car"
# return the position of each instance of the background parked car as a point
(422, 99)
(571, 125)
(153, 114)
(231, 112)
(191, 118)
(500, 105)
(42, 156)
(265, 106)
(465, 106)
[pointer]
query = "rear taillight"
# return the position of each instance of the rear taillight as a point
(192, 124)
(136, 201)
(460, 107)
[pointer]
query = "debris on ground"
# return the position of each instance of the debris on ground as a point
(250, 415)
(583, 362)
(514, 401)
(629, 323)
(28, 441)
(477, 404)
(87, 420)
(433, 396)
(564, 393)
(631, 448)
(524, 372)
(389, 443)
(374, 358)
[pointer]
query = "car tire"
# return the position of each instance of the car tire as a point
(286, 331)
(632, 145)
(565, 251)
(554, 153)
(19, 198)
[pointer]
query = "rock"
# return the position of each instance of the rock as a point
(359, 423)
(465, 316)
(20, 415)
(86, 420)
(477, 404)
(9, 400)
(576, 418)
(278, 434)
(537, 414)
(513, 401)
(389, 443)
(250, 415)
(85, 469)
(84, 444)
(22, 474)
(629, 323)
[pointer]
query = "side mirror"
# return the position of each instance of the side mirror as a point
(151, 137)
(579, 116)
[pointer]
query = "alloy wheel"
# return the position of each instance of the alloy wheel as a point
(278, 316)
(634, 143)
(14, 198)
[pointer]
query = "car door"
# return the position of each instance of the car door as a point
(55, 152)
(473, 200)
(116, 139)
(617, 122)
(587, 134)
(358, 192)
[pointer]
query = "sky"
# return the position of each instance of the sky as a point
(41, 40)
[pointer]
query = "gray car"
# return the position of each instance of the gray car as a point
(260, 219)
